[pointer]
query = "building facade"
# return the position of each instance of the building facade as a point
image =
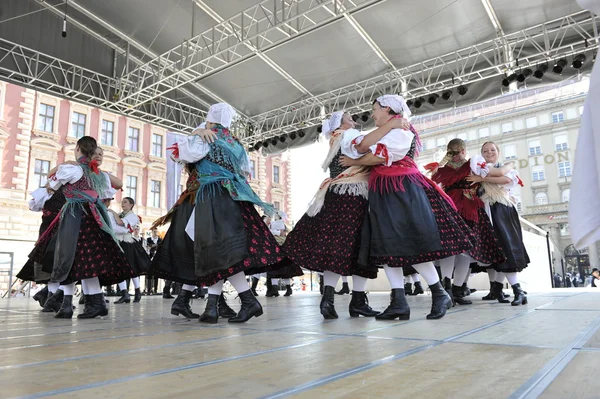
(538, 131)
(39, 131)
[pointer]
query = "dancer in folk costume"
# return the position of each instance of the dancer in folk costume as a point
(504, 217)
(84, 244)
(174, 257)
(410, 220)
(126, 224)
(288, 269)
(452, 173)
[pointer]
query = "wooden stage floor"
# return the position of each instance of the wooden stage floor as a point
(549, 349)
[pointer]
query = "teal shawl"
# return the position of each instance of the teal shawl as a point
(224, 168)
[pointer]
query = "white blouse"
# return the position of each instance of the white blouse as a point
(481, 168)
(392, 147)
(38, 199)
(110, 191)
(191, 149)
(125, 232)
(65, 174)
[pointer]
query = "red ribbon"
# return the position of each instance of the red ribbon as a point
(175, 149)
(520, 181)
(482, 165)
(140, 218)
(94, 166)
(382, 151)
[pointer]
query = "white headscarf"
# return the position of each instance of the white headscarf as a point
(221, 113)
(396, 104)
(202, 126)
(332, 124)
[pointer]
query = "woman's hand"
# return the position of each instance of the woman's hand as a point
(207, 135)
(507, 167)
(400, 123)
(347, 162)
(474, 179)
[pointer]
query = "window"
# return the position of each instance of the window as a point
(558, 117)
(564, 229)
(462, 136)
(108, 130)
(541, 199)
(560, 142)
(46, 118)
(564, 169)
(131, 187)
(507, 127)
(510, 151)
(535, 148)
(441, 142)
(157, 145)
(41, 172)
(519, 207)
(276, 174)
(78, 125)
(531, 122)
(581, 110)
(277, 205)
(538, 173)
(133, 139)
(485, 132)
(424, 145)
(252, 169)
(566, 195)
(155, 192)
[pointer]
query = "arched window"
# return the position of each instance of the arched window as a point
(541, 199)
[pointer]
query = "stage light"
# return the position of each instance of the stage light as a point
(409, 103)
(320, 129)
(265, 144)
(274, 141)
(447, 94)
(540, 71)
(354, 118)
(257, 146)
(433, 98)
(293, 136)
(419, 101)
(301, 133)
(578, 61)
(282, 138)
(524, 75)
(509, 79)
(559, 66)
(462, 90)
(365, 116)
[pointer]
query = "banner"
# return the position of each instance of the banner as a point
(174, 170)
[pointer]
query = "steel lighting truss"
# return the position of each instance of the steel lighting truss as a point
(261, 27)
(538, 44)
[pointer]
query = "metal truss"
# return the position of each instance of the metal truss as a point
(542, 43)
(30, 68)
(263, 26)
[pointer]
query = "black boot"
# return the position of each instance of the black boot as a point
(41, 296)
(95, 306)
(224, 310)
(345, 289)
(167, 291)
(459, 296)
(254, 285)
(408, 289)
(321, 285)
(466, 291)
(181, 305)
(125, 298)
(211, 312)
(520, 298)
(138, 295)
(176, 288)
(359, 305)
(66, 309)
(418, 289)
(198, 293)
(82, 299)
(398, 308)
(54, 302)
(441, 301)
(250, 308)
(448, 288)
(288, 291)
(499, 293)
(272, 292)
(327, 308)
(492, 295)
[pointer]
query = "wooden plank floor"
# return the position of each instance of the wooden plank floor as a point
(549, 348)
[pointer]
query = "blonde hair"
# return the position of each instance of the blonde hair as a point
(490, 142)
(452, 144)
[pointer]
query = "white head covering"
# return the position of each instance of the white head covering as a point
(221, 113)
(396, 103)
(202, 126)
(332, 124)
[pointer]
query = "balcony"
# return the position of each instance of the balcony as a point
(548, 209)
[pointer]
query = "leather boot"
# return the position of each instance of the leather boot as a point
(167, 292)
(418, 289)
(176, 288)
(254, 285)
(466, 290)
(66, 309)
(211, 312)
(54, 302)
(398, 308)
(345, 289)
(250, 308)
(82, 299)
(448, 288)
(288, 291)
(41, 296)
(441, 301)
(359, 305)
(408, 289)
(181, 305)
(125, 298)
(492, 294)
(520, 298)
(327, 308)
(95, 306)
(459, 295)
(224, 310)
(272, 292)
(499, 293)
(138, 295)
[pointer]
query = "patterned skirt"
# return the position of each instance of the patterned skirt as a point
(89, 253)
(330, 241)
(33, 271)
(507, 228)
(412, 226)
(487, 249)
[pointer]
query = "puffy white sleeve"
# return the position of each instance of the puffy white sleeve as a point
(116, 228)
(514, 180)
(394, 146)
(350, 138)
(479, 167)
(190, 149)
(110, 191)
(131, 220)
(38, 199)
(66, 174)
